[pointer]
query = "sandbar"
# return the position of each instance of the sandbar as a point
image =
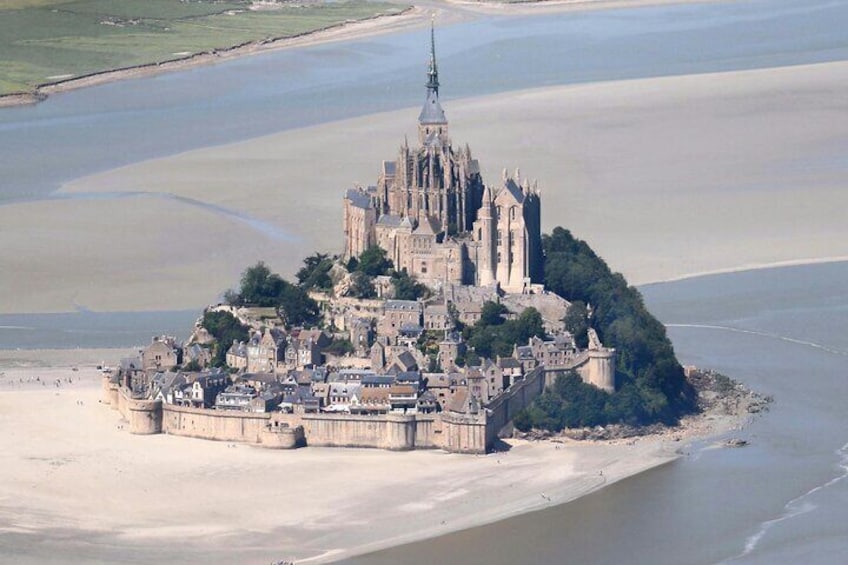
(664, 177)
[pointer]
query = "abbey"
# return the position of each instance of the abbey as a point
(434, 216)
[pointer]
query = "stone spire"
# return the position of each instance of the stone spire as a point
(433, 72)
(432, 113)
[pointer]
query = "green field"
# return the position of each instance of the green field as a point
(42, 41)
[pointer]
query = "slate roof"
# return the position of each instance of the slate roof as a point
(407, 360)
(358, 198)
(432, 112)
(131, 363)
(514, 190)
(403, 305)
(389, 220)
(509, 363)
(411, 329)
(408, 377)
(377, 380)
(524, 352)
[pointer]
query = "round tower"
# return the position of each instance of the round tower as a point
(601, 369)
(484, 233)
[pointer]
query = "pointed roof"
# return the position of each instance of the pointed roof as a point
(432, 112)
(511, 188)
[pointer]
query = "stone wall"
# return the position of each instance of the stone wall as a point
(222, 425)
(153, 417)
(457, 433)
(514, 399)
(396, 432)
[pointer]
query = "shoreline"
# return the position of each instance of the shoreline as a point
(750, 267)
(366, 27)
(413, 16)
(463, 491)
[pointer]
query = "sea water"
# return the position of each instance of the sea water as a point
(784, 333)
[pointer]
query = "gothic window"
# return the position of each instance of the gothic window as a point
(423, 267)
(512, 213)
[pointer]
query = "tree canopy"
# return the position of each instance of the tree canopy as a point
(260, 287)
(315, 273)
(494, 335)
(226, 329)
(651, 386)
(373, 262)
(407, 288)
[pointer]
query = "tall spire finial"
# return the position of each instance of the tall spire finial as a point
(433, 73)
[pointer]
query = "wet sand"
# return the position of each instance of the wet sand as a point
(664, 177)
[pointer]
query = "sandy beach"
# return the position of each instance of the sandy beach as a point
(74, 479)
(665, 178)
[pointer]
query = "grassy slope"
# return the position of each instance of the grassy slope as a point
(40, 39)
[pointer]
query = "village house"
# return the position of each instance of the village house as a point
(360, 334)
(372, 400)
(258, 381)
(450, 349)
(511, 369)
(340, 395)
(265, 351)
(197, 355)
(235, 397)
(163, 354)
(206, 386)
(304, 349)
(398, 313)
(437, 318)
(236, 357)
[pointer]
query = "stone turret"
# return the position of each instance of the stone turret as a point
(600, 369)
(484, 234)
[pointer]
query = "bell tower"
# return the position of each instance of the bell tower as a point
(432, 123)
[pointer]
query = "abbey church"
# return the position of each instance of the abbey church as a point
(435, 217)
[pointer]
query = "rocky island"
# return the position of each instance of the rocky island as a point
(447, 318)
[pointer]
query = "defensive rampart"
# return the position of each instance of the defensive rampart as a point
(454, 432)
(521, 394)
(153, 417)
(249, 427)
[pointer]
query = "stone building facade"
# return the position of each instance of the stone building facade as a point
(433, 215)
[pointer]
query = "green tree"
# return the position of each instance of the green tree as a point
(296, 307)
(373, 262)
(259, 287)
(577, 323)
(645, 356)
(492, 314)
(315, 272)
(226, 329)
(406, 288)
